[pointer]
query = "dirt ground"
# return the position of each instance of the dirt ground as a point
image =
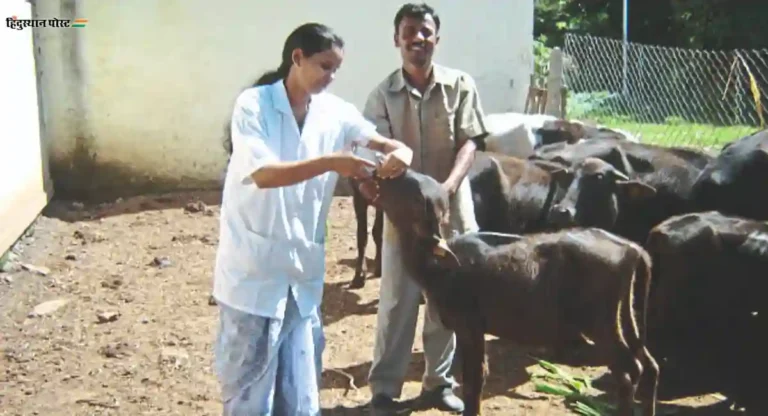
(104, 311)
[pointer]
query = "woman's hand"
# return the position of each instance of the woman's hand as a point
(351, 166)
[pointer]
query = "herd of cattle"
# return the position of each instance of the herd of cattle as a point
(650, 259)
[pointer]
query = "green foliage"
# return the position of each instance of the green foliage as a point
(541, 60)
(705, 24)
(590, 105)
(554, 18)
(652, 106)
(720, 24)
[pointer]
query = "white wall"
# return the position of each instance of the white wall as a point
(24, 187)
(142, 93)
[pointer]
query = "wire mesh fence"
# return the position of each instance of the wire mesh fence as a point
(669, 96)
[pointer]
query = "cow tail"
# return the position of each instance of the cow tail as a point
(642, 290)
(657, 245)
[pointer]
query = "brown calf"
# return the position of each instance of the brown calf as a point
(510, 195)
(549, 290)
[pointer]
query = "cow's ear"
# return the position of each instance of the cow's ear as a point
(635, 190)
(562, 176)
(443, 254)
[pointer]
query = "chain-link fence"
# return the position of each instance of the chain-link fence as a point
(670, 96)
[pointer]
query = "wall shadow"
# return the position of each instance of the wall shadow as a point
(96, 207)
(340, 302)
(199, 202)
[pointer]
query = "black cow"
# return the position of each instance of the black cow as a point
(735, 182)
(707, 309)
(545, 290)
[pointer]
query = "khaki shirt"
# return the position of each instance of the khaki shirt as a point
(434, 125)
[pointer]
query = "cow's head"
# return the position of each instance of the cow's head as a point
(417, 206)
(595, 194)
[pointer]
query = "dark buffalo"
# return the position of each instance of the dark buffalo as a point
(628, 157)
(735, 182)
(601, 196)
(707, 307)
(544, 290)
(640, 185)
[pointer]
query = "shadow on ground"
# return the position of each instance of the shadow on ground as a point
(674, 385)
(340, 302)
(507, 370)
(351, 263)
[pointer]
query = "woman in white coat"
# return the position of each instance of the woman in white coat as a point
(290, 140)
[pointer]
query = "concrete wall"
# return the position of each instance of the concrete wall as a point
(24, 185)
(137, 100)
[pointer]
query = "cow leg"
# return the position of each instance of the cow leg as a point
(643, 371)
(471, 346)
(625, 371)
(378, 228)
(361, 214)
(649, 383)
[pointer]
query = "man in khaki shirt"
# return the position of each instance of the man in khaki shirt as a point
(436, 111)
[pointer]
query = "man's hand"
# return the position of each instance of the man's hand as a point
(395, 163)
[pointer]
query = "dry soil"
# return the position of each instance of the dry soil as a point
(104, 310)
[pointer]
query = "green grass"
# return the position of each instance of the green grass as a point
(680, 133)
(695, 135)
